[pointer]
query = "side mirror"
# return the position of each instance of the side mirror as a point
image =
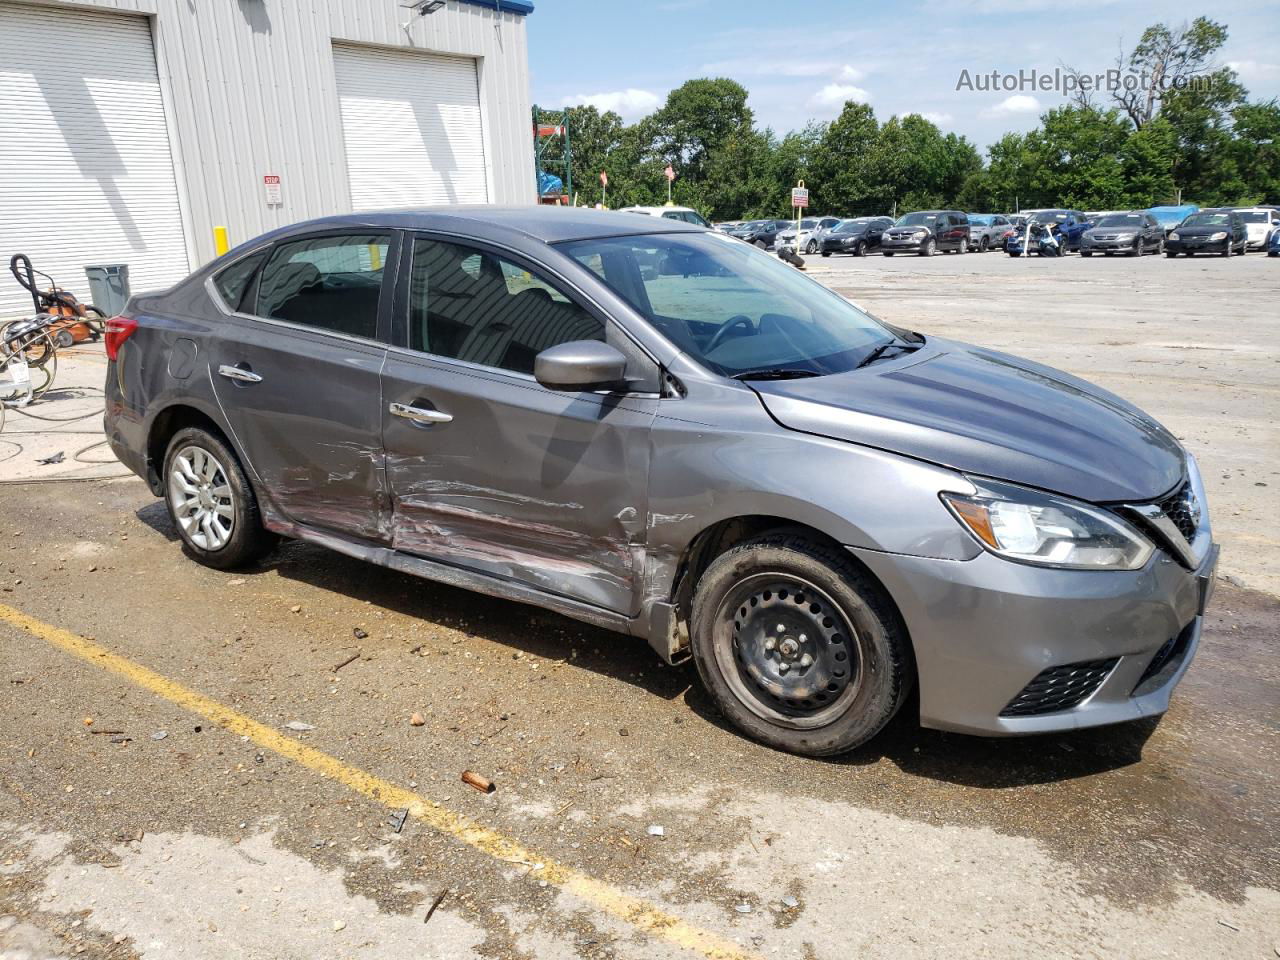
(580, 365)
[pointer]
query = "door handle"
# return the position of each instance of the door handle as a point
(238, 373)
(419, 414)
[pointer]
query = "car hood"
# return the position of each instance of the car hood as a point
(988, 413)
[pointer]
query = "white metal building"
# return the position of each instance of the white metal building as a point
(130, 129)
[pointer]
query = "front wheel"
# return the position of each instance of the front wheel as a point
(983, 245)
(811, 247)
(799, 648)
(927, 248)
(1171, 254)
(1086, 253)
(861, 249)
(211, 502)
(1140, 250)
(888, 253)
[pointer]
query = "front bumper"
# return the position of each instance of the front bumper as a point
(913, 245)
(1126, 245)
(984, 629)
(1196, 245)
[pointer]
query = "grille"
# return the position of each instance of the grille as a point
(1183, 509)
(1059, 688)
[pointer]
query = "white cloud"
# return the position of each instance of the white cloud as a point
(630, 104)
(834, 95)
(1256, 73)
(939, 119)
(1018, 103)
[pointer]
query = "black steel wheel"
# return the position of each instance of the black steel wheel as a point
(798, 646)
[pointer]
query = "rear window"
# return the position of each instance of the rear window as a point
(233, 282)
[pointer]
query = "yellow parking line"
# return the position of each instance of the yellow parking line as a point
(634, 911)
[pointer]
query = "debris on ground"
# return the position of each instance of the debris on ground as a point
(417, 720)
(351, 659)
(159, 734)
(436, 903)
(238, 582)
(790, 902)
(657, 830)
(299, 726)
(473, 779)
(51, 460)
(397, 819)
(743, 908)
(296, 608)
(359, 634)
(339, 925)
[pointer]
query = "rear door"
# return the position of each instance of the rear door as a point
(489, 470)
(296, 371)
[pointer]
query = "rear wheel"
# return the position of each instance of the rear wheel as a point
(811, 247)
(211, 502)
(1086, 253)
(1171, 254)
(888, 253)
(798, 646)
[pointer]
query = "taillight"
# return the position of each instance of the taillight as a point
(119, 329)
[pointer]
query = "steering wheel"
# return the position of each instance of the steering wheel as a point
(722, 334)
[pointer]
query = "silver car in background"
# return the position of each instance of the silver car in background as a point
(987, 231)
(659, 430)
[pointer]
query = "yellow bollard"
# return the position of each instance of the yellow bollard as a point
(220, 244)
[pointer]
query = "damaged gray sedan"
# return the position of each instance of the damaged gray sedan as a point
(658, 429)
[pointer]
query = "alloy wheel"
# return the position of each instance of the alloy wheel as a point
(787, 651)
(201, 496)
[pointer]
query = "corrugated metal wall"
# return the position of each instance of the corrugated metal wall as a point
(251, 91)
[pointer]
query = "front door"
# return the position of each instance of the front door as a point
(297, 374)
(491, 471)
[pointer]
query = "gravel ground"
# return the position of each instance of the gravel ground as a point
(1136, 841)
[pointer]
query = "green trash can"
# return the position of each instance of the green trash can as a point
(108, 287)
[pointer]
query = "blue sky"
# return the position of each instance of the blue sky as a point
(802, 61)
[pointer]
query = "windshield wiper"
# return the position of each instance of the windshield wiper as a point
(775, 373)
(884, 348)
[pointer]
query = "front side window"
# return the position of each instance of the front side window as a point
(733, 309)
(331, 283)
(469, 304)
(232, 283)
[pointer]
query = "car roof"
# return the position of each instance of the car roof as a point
(539, 222)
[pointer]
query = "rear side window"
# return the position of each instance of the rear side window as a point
(331, 283)
(234, 281)
(468, 304)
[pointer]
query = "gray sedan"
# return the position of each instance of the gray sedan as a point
(657, 429)
(1132, 234)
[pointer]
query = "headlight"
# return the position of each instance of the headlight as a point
(921, 233)
(1174, 236)
(1033, 527)
(1220, 235)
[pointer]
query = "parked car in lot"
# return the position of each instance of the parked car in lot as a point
(726, 225)
(1133, 234)
(988, 231)
(810, 231)
(1273, 245)
(763, 233)
(857, 236)
(926, 232)
(1220, 232)
(503, 399)
(683, 214)
(1261, 223)
(1069, 225)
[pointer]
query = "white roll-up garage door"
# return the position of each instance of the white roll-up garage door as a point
(86, 174)
(412, 128)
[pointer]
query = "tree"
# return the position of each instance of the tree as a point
(1166, 60)
(840, 160)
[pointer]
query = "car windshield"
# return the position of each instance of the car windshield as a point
(1207, 220)
(1121, 220)
(917, 220)
(808, 224)
(731, 307)
(981, 219)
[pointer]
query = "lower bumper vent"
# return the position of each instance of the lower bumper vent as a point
(1060, 688)
(1165, 663)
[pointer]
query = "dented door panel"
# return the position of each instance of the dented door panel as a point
(544, 488)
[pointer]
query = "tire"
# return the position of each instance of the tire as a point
(1140, 249)
(1171, 254)
(1227, 251)
(826, 253)
(193, 465)
(1159, 248)
(964, 247)
(811, 247)
(888, 253)
(928, 248)
(1086, 253)
(859, 655)
(984, 245)
(861, 249)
